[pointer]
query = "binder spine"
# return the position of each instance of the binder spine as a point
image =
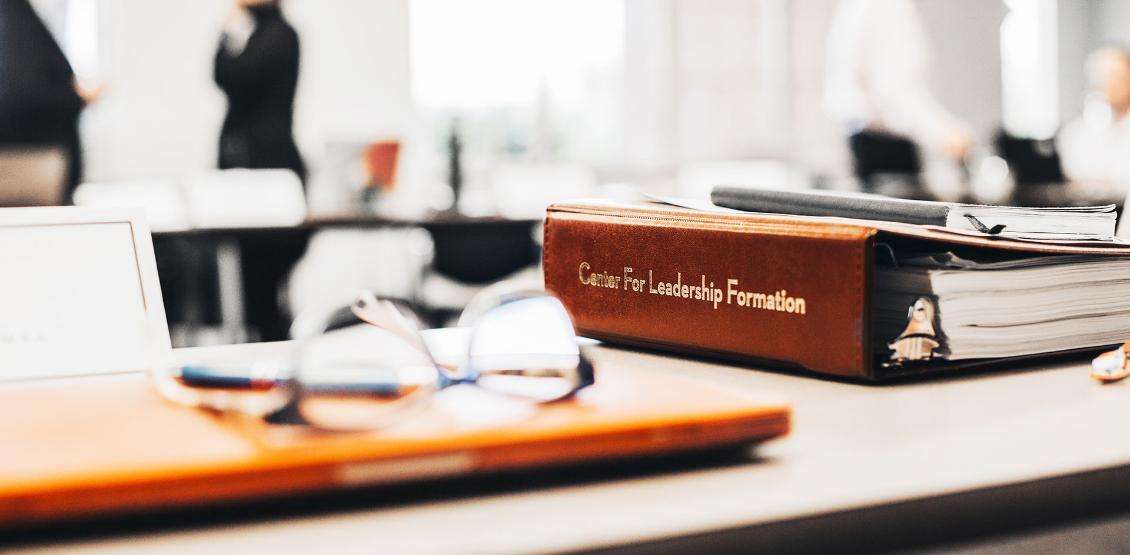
(796, 295)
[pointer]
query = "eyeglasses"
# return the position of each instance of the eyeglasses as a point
(366, 377)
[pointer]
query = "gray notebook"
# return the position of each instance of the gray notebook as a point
(1059, 223)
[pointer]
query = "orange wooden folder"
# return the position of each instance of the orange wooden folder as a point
(112, 445)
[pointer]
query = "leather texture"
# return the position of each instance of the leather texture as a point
(826, 262)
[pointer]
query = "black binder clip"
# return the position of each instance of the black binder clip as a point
(980, 226)
(919, 340)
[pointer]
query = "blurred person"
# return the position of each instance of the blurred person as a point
(876, 86)
(1095, 147)
(256, 66)
(40, 98)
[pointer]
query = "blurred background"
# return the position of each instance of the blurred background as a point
(411, 146)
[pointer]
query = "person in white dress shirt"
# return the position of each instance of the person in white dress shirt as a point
(1095, 147)
(876, 80)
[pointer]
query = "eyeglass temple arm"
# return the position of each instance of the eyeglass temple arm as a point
(383, 314)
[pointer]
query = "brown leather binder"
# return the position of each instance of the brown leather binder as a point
(788, 290)
(105, 446)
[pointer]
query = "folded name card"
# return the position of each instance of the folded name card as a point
(78, 293)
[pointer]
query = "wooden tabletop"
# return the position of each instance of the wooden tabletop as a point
(865, 467)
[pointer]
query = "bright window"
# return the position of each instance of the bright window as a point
(1029, 79)
(522, 74)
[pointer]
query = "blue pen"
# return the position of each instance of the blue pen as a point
(349, 380)
(255, 376)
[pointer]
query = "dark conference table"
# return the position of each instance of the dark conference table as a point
(250, 263)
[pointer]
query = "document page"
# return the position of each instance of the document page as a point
(71, 301)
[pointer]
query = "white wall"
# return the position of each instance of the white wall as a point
(1075, 40)
(160, 114)
(731, 93)
(965, 39)
(965, 73)
(354, 82)
(817, 143)
(705, 80)
(649, 84)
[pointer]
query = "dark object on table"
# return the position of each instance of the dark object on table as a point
(1032, 161)
(267, 260)
(455, 164)
(259, 82)
(187, 267)
(876, 154)
(477, 253)
(39, 106)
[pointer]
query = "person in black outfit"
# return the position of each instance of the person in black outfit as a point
(40, 101)
(256, 66)
(258, 72)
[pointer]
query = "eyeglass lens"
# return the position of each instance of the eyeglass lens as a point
(526, 348)
(343, 387)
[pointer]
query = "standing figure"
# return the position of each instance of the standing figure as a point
(1095, 147)
(876, 87)
(40, 100)
(257, 69)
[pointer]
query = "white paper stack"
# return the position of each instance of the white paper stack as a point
(1010, 307)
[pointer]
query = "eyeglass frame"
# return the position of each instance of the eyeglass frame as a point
(288, 382)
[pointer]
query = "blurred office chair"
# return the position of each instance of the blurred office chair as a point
(880, 158)
(33, 177)
(471, 255)
(1032, 161)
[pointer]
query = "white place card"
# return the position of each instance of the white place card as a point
(79, 293)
